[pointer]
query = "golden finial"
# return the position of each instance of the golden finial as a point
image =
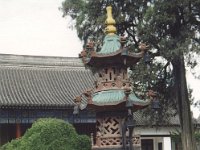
(110, 22)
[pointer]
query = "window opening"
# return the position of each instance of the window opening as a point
(110, 75)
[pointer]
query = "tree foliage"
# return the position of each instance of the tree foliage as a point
(176, 136)
(165, 24)
(90, 16)
(170, 27)
(50, 134)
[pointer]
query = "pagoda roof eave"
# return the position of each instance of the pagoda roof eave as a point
(109, 98)
(117, 58)
(121, 52)
(121, 106)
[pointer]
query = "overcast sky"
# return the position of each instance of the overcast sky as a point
(36, 27)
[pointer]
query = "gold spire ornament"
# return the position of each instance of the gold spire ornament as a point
(110, 22)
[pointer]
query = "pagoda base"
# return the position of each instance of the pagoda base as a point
(109, 132)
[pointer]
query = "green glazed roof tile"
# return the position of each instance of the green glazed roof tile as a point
(114, 97)
(108, 97)
(111, 44)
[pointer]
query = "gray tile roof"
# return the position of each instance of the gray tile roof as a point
(29, 81)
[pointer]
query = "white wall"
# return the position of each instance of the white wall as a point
(163, 132)
(167, 143)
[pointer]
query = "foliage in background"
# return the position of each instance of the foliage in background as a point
(50, 134)
(170, 27)
(197, 136)
(167, 25)
(176, 137)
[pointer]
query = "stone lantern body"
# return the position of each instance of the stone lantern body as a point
(112, 97)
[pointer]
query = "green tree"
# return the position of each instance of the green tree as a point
(170, 27)
(50, 134)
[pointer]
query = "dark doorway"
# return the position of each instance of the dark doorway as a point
(160, 146)
(8, 132)
(147, 144)
(85, 128)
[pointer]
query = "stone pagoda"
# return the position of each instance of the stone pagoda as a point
(112, 97)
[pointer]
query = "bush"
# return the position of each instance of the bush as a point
(50, 134)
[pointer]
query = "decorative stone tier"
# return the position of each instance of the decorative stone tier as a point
(109, 133)
(112, 78)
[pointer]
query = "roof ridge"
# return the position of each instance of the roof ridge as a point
(40, 60)
(19, 66)
(41, 56)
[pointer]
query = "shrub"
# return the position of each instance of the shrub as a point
(50, 134)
